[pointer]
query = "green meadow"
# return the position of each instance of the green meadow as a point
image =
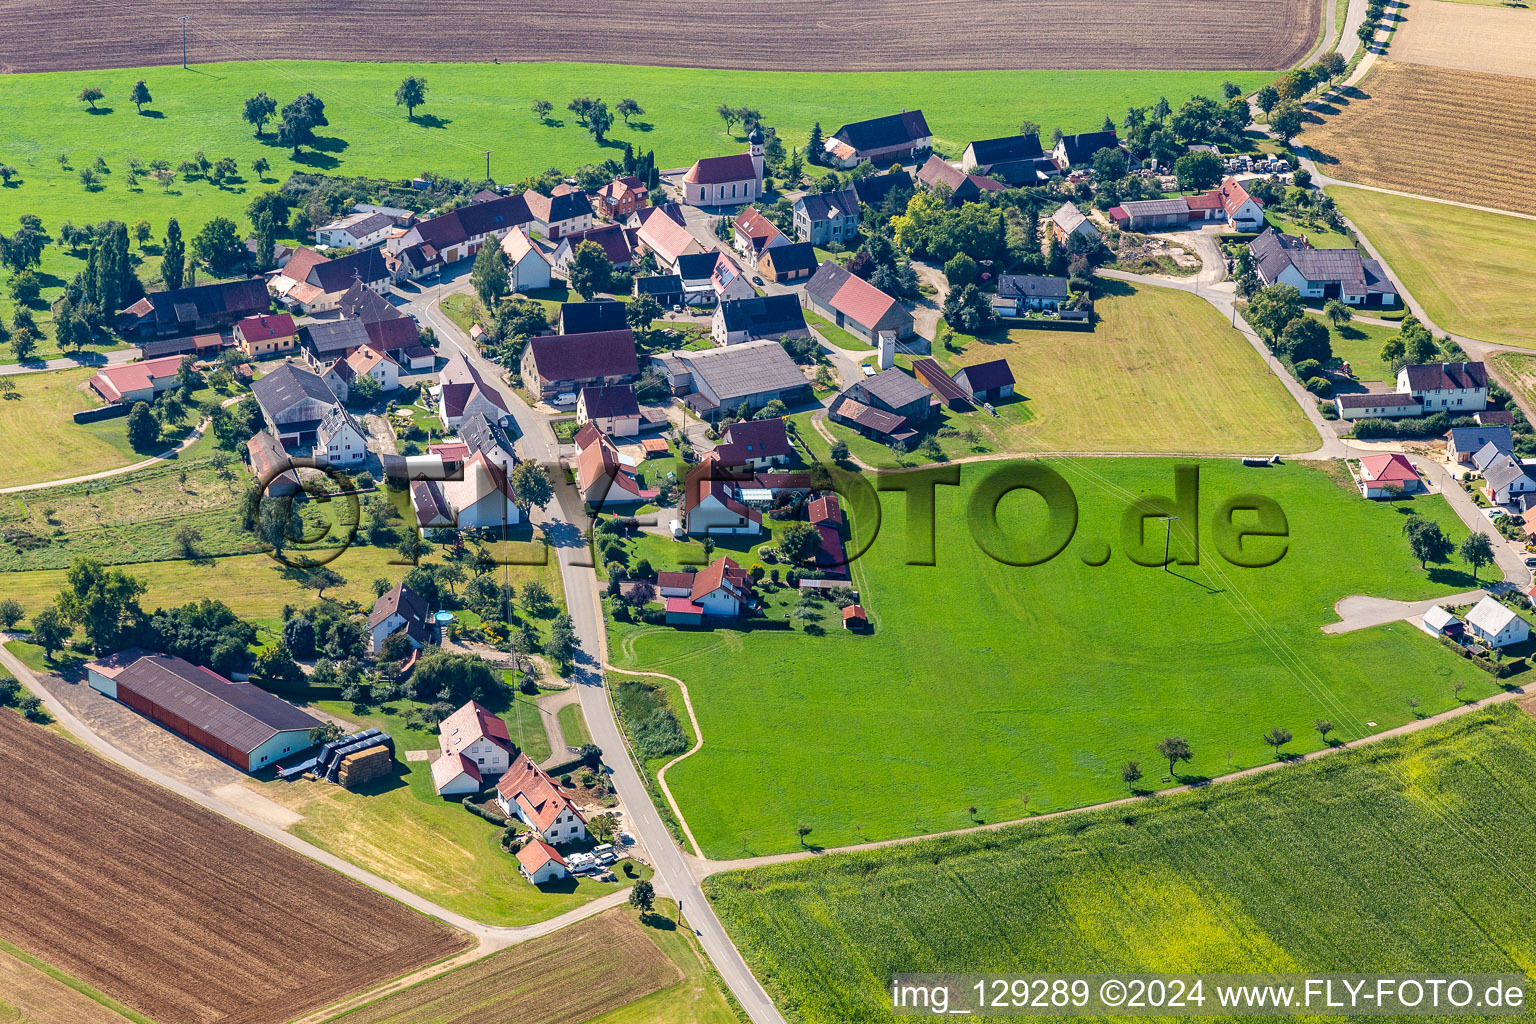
(1408, 856)
(472, 109)
(1014, 689)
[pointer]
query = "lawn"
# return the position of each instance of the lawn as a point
(983, 681)
(1403, 857)
(402, 830)
(1161, 372)
(573, 726)
(42, 409)
(1466, 267)
(835, 335)
(472, 108)
(1360, 346)
(1317, 233)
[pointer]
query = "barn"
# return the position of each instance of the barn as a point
(242, 723)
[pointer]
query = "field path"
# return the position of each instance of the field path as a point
(704, 868)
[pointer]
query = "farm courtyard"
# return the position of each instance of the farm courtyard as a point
(1402, 856)
(1466, 267)
(986, 682)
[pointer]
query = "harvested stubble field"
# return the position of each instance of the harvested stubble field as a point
(178, 913)
(876, 35)
(1488, 159)
(584, 970)
(1489, 40)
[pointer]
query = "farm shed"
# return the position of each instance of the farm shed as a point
(239, 722)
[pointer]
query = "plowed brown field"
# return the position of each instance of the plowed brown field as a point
(1435, 132)
(176, 912)
(802, 35)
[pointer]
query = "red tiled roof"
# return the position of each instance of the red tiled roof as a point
(683, 605)
(1387, 468)
(470, 724)
(1233, 195)
(862, 301)
(825, 510)
(671, 580)
(715, 170)
(269, 325)
(720, 573)
(113, 382)
(536, 853)
(527, 785)
(854, 611)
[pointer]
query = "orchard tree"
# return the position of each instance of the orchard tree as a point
(260, 166)
(541, 109)
(628, 108)
(90, 94)
(411, 94)
(1477, 551)
(219, 245)
(1286, 121)
(1174, 749)
(259, 109)
(300, 119)
(1277, 738)
(143, 428)
(599, 120)
(1426, 540)
(1337, 313)
(139, 96)
(49, 630)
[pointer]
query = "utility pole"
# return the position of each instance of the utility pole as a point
(1167, 522)
(183, 41)
(487, 165)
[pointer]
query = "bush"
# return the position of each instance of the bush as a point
(1307, 369)
(488, 811)
(1319, 386)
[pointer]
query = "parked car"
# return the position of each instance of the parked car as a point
(1530, 562)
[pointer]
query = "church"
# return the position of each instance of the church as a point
(727, 180)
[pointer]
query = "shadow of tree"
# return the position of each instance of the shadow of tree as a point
(433, 121)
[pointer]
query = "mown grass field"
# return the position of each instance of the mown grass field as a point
(1485, 160)
(1405, 857)
(1466, 267)
(473, 108)
(984, 682)
(44, 443)
(1360, 346)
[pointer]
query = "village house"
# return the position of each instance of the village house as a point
(701, 287)
(622, 197)
(612, 409)
(566, 211)
(963, 187)
(564, 364)
(712, 502)
(329, 340)
(1015, 160)
(592, 317)
(479, 434)
(463, 393)
(766, 316)
(720, 591)
(1321, 273)
(293, 401)
(1377, 405)
(603, 476)
(355, 231)
(727, 180)
(1496, 624)
(986, 383)
(1068, 223)
(1017, 294)
(1078, 150)
(758, 444)
(1446, 387)
(752, 373)
(136, 382)
(539, 863)
(472, 743)
(265, 335)
(1466, 445)
(855, 305)
(1387, 475)
(200, 308)
(613, 239)
(365, 362)
(1505, 478)
(785, 264)
(528, 794)
(752, 234)
(400, 610)
(665, 236)
(895, 138)
(478, 495)
(1244, 212)
(666, 289)
(527, 266)
(823, 217)
(457, 235)
(340, 440)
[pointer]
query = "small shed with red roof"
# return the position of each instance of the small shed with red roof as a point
(1388, 475)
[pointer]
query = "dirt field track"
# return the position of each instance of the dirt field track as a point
(584, 970)
(1413, 127)
(785, 35)
(174, 911)
(1489, 40)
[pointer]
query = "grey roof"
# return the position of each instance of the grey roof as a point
(1446, 376)
(591, 317)
(1155, 207)
(482, 435)
(332, 423)
(1471, 439)
(338, 336)
(792, 257)
(1489, 616)
(825, 205)
(1484, 456)
(1020, 286)
(287, 386)
(766, 316)
(994, 373)
(894, 389)
(1006, 149)
(1503, 471)
(364, 225)
(751, 368)
(1382, 399)
(887, 132)
(1068, 217)
(872, 190)
(239, 715)
(337, 275)
(1080, 148)
(660, 284)
(613, 400)
(367, 305)
(1274, 251)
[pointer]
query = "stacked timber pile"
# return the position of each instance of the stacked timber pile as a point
(365, 766)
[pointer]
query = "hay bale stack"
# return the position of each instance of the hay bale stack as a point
(365, 766)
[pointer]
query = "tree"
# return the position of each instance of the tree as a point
(320, 578)
(1198, 170)
(491, 275)
(541, 109)
(143, 428)
(88, 177)
(412, 94)
(815, 146)
(1477, 551)
(1110, 164)
(1393, 352)
(799, 542)
(599, 120)
(24, 344)
(259, 109)
(219, 245)
(628, 108)
(1286, 121)
(1426, 540)
(1323, 727)
(531, 485)
(90, 94)
(1267, 98)
(603, 827)
(7, 172)
(639, 313)
(802, 830)
(11, 612)
(411, 546)
(1367, 33)
(100, 601)
(643, 896)
(139, 96)
(173, 256)
(961, 271)
(299, 121)
(49, 630)
(1174, 749)
(562, 640)
(1277, 738)
(1130, 774)
(590, 270)
(840, 452)
(260, 166)
(1337, 313)
(728, 114)
(1271, 309)
(1305, 338)
(276, 665)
